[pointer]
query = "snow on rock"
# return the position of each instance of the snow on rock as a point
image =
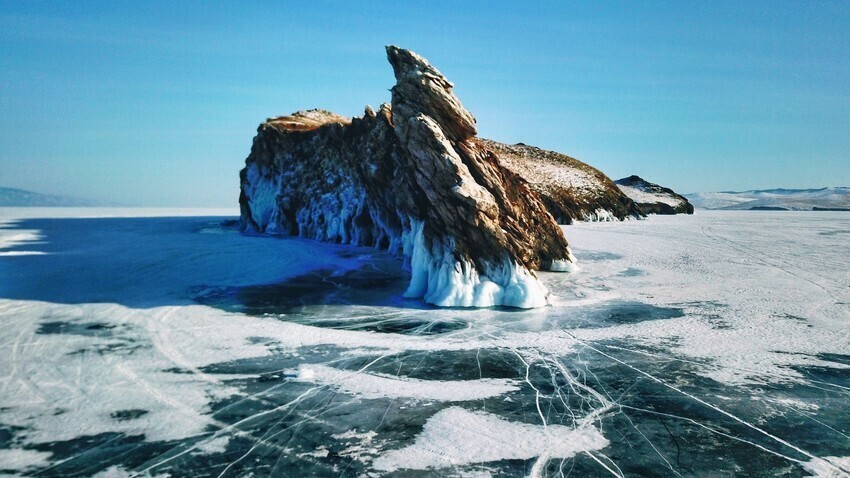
(413, 179)
(652, 198)
(570, 189)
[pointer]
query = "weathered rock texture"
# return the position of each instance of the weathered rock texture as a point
(570, 189)
(652, 198)
(414, 179)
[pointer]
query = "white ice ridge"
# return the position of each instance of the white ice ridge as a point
(440, 279)
(455, 436)
(375, 385)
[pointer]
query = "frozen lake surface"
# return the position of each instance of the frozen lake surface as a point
(167, 344)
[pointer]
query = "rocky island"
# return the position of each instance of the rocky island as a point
(651, 198)
(412, 178)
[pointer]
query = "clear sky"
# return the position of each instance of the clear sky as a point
(156, 103)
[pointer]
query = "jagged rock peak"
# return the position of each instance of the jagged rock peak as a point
(422, 89)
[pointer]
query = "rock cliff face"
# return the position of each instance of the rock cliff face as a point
(652, 198)
(411, 178)
(570, 189)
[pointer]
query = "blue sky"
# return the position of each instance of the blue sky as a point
(154, 103)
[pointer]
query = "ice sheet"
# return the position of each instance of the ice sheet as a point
(681, 339)
(760, 299)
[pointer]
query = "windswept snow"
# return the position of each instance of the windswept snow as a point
(10, 238)
(455, 436)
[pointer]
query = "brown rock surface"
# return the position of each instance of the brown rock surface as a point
(570, 189)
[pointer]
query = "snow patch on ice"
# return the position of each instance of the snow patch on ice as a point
(22, 253)
(214, 445)
(375, 385)
(11, 237)
(119, 472)
(353, 435)
(829, 467)
(795, 404)
(455, 436)
(360, 447)
(320, 452)
(20, 459)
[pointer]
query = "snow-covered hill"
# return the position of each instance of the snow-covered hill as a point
(652, 198)
(777, 199)
(12, 197)
(572, 190)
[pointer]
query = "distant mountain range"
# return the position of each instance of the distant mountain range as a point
(775, 199)
(12, 197)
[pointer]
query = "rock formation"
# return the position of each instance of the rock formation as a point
(652, 198)
(570, 189)
(411, 178)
